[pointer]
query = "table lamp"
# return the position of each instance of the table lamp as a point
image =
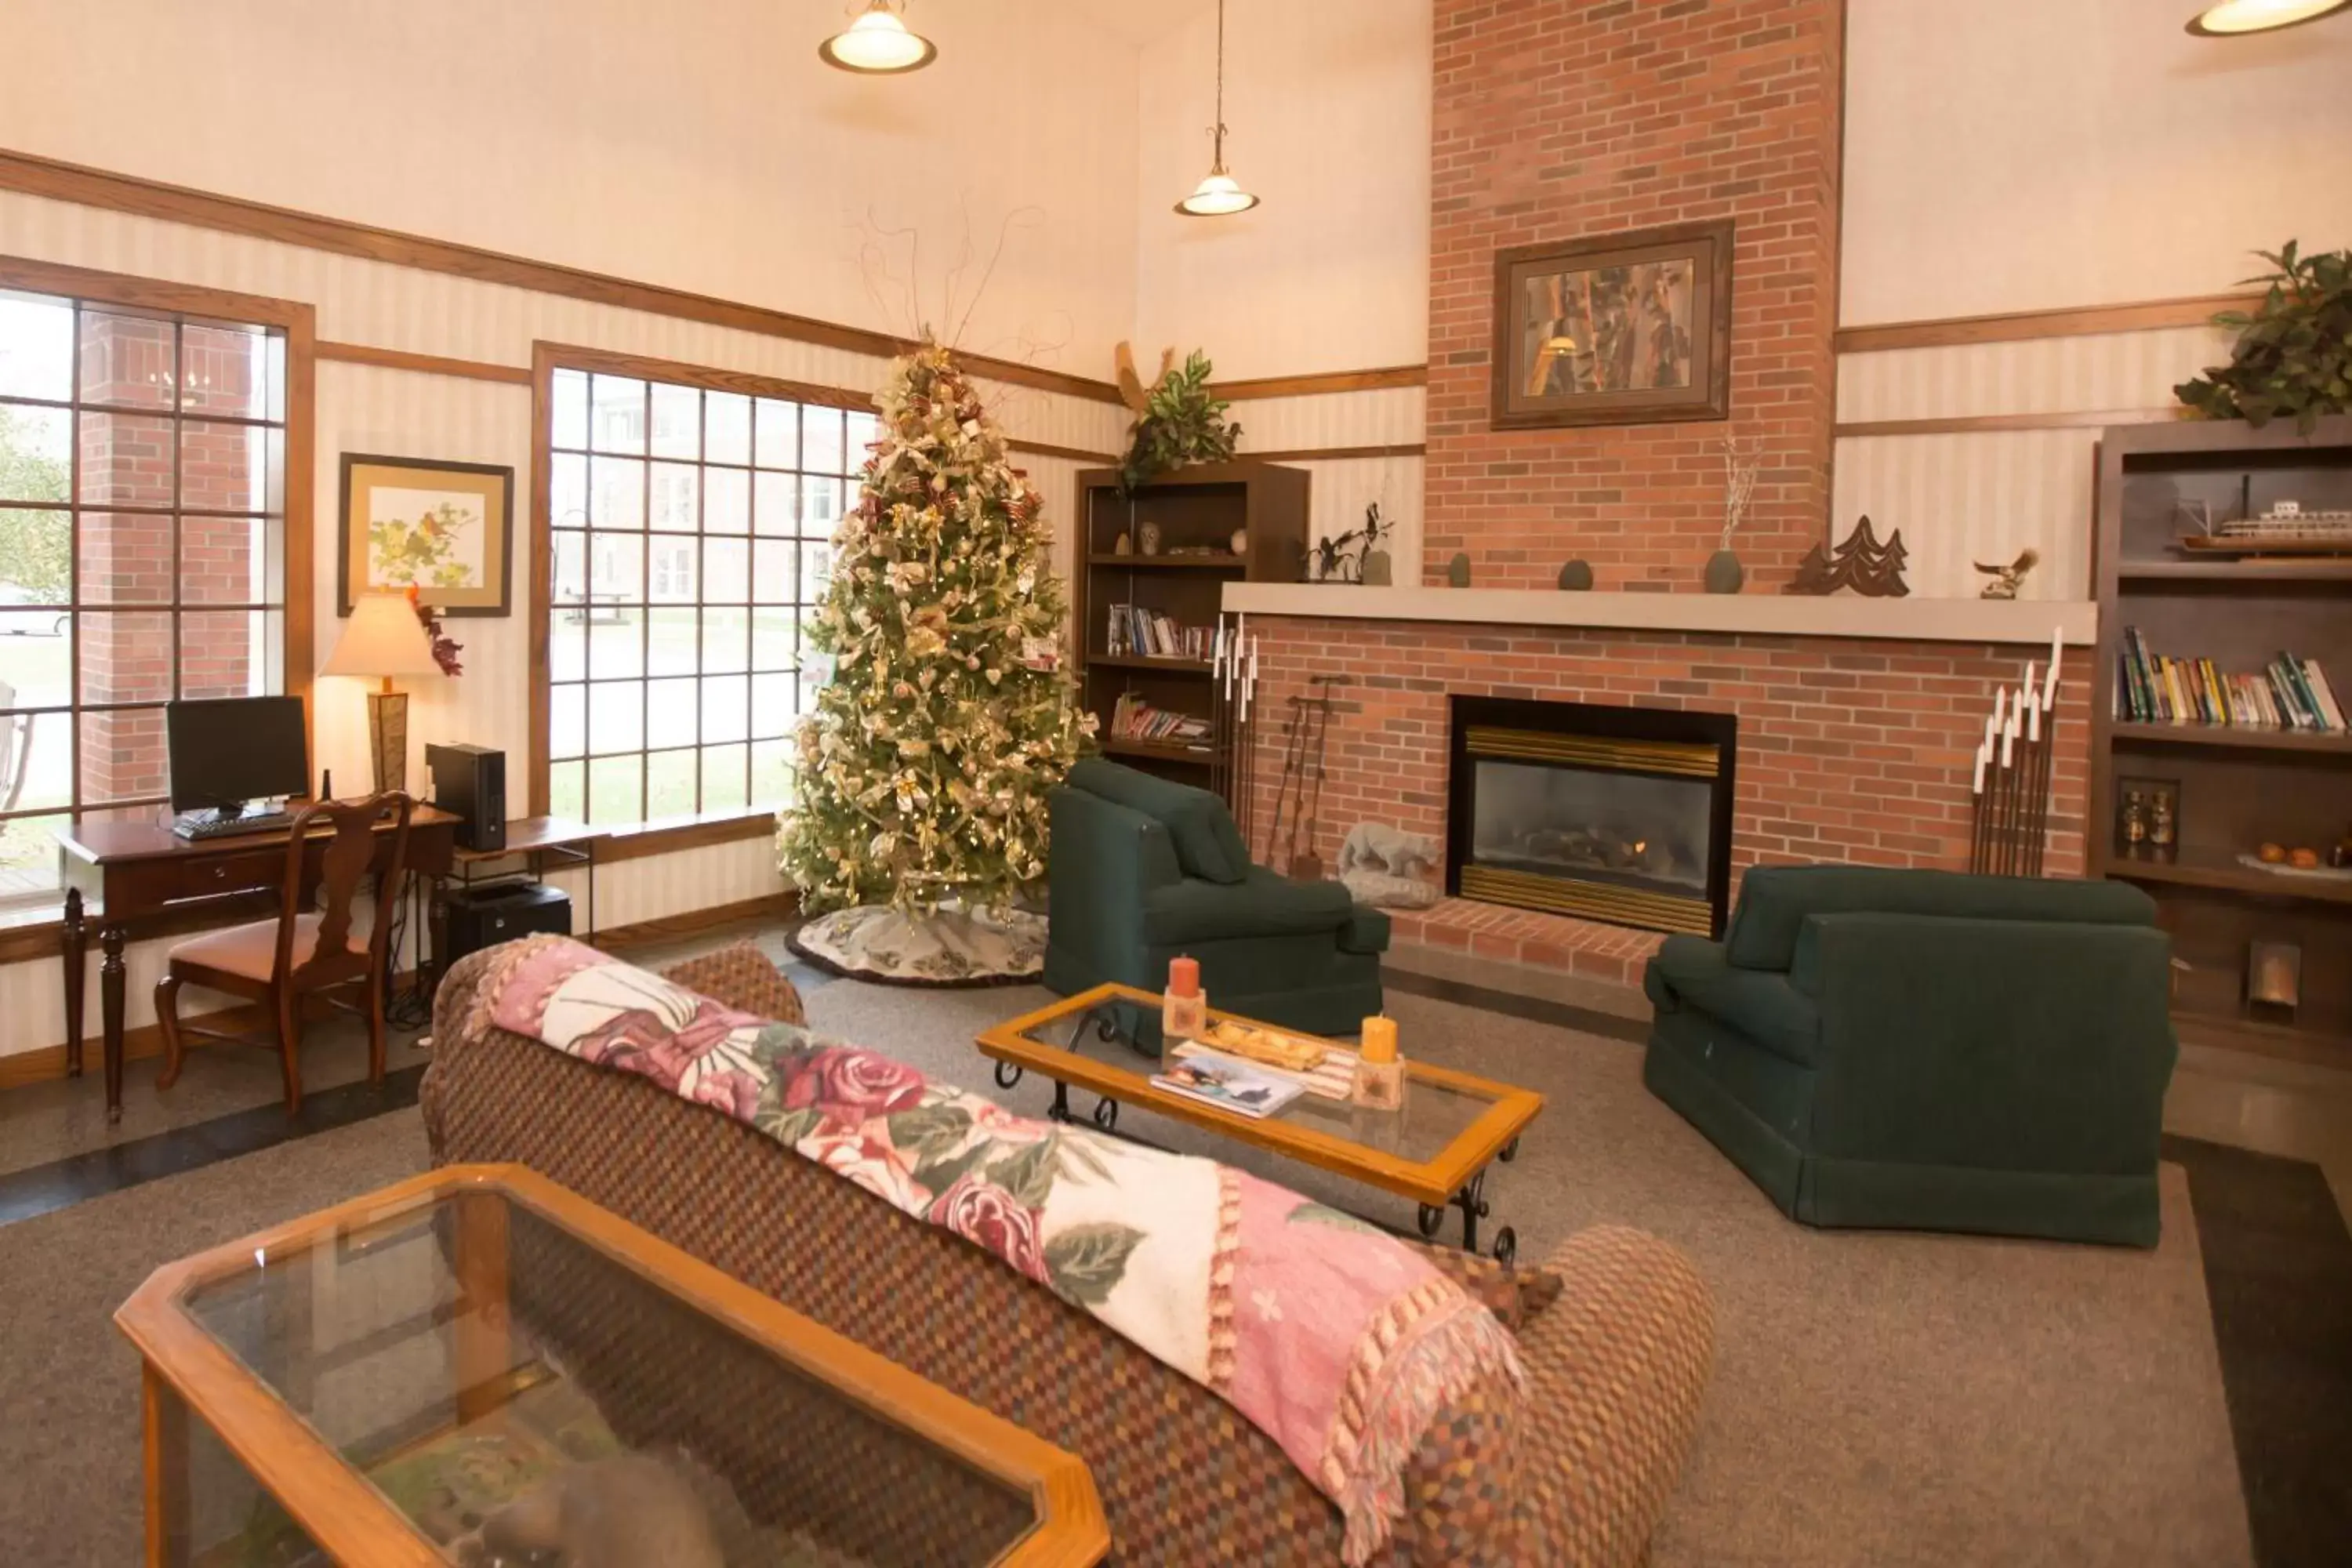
(385, 638)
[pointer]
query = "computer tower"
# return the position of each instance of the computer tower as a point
(484, 917)
(470, 781)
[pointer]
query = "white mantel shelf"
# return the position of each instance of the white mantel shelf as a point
(2020, 621)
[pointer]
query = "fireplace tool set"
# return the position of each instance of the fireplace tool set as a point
(2012, 776)
(1305, 737)
(1232, 687)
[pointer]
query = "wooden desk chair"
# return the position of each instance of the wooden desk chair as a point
(279, 963)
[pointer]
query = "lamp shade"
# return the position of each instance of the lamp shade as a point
(384, 638)
(877, 43)
(2236, 18)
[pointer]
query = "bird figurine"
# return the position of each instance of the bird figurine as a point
(2006, 580)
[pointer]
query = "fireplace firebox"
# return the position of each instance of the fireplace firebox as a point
(1620, 815)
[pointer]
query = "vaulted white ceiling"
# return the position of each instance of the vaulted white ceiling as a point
(1140, 22)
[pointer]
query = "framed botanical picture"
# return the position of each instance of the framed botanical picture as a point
(445, 529)
(1620, 329)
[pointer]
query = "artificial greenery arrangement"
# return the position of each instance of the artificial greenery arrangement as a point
(2294, 353)
(1178, 421)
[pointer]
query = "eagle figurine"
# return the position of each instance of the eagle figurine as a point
(2006, 580)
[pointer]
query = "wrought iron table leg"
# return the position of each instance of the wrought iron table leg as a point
(1507, 1245)
(1008, 1074)
(1431, 1220)
(1106, 1114)
(1510, 1152)
(1471, 1201)
(1060, 1109)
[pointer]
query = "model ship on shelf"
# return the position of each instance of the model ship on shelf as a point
(2286, 530)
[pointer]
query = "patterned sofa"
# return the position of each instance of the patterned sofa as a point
(1578, 1476)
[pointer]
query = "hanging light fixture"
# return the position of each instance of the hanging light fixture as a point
(2235, 18)
(877, 43)
(1218, 194)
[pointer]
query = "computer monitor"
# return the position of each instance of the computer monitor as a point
(228, 750)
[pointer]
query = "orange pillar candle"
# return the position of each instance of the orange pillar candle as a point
(1380, 1076)
(1184, 1009)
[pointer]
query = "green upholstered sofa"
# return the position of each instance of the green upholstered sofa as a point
(1927, 1051)
(1143, 868)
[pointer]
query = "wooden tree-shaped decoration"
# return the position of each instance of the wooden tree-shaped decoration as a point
(1861, 563)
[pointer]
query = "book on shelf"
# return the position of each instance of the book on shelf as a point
(1154, 634)
(1228, 1083)
(1133, 719)
(2287, 693)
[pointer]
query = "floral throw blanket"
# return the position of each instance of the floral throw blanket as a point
(1327, 1335)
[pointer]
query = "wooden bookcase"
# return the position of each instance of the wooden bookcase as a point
(2239, 788)
(1195, 508)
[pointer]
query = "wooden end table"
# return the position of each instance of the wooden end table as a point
(369, 1384)
(1434, 1149)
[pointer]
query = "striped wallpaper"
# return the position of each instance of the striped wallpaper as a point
(405, 413)
(1343, 487)
(1960, 497)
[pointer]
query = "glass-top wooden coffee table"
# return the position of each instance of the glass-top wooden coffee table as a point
(477, 1365)
(1434, 1149)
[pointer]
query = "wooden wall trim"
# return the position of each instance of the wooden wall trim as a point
(1966, 424)
(1320, 382)
(428, 365)
(1335, 454)
(781, 906)
(669, 838)
(1074, 454)
(2026, 326)
(58, 181)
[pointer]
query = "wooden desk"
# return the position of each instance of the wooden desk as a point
(137, 870)
(532, 840)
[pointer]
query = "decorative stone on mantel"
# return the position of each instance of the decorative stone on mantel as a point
(2020, 621)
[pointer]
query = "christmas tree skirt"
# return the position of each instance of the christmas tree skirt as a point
(953, 947)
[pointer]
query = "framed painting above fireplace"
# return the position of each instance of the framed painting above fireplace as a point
(1616, 329)
(1620, 815)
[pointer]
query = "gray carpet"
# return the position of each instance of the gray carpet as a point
(69, 1467)
(1878, 1399)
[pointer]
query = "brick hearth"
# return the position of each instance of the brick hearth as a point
(1612, 954)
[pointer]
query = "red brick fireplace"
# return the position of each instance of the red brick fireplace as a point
(1562, 119)
(1849, 750)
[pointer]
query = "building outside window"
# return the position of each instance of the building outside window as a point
(143, 523)
(689, 533)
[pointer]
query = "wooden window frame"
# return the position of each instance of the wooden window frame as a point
(547, 358)
(186, 303)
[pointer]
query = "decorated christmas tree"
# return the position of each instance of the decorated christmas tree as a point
(924, 767)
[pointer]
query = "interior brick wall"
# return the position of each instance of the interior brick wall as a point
(1565, 119)
(125, 566)
(1850, 751)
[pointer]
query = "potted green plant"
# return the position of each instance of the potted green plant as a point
(2294, 353)
(1178, 421)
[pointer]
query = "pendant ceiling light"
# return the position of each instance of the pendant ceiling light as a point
(877, 43)
(2235, 18)
(1218, 193)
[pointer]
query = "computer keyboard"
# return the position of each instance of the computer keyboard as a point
(215, 828)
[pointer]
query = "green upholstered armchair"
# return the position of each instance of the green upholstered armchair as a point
(1143, 869)
(1927, 1051)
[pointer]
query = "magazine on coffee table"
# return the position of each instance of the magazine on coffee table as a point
(1228, 1083)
